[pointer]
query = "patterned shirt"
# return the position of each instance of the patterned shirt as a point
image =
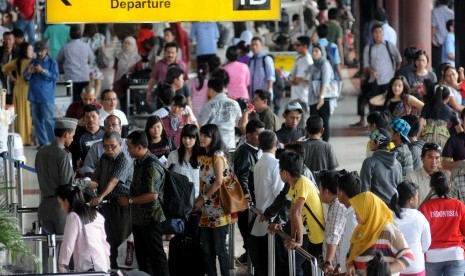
(120, 167)
(335, 224)
(212, 213)
(148, 178)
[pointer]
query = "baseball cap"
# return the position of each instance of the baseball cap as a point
(382, 136)
(402, 127)
(39, 46)
(293, 106)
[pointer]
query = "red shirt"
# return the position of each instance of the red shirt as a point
(76, 109)
(26, 8)
(141, 37)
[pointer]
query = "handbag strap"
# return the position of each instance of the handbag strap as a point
(314, 217)
(87, 240)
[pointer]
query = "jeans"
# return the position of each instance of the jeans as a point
(148, 244)
(43, 118)
(27, 26)
(214, 244)
(448, 268)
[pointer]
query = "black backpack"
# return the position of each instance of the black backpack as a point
(177, 195)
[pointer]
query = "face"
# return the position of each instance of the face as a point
(92, 120)
(112, 124)
(156, 130)
(431, 161)
(64, 204)
(343, 198)
(112, 147)
(171, 54)
(19, 40)
(30, 51)
(8, 41)
(421, 62)
(300, 48)
(168, 36)
(205, 141)
(87, 98)
(42, 54)
(68, 138)
(255, 46)
(127, 46)
(397, 87)
(252, 138)
(284, 175)
(258, 103)
(188, 142)
(316, 53)
(132, 150)
(450, 76)
(110, 101)
(176, 111)
(292, 119)
(178, 82)
(377, 35)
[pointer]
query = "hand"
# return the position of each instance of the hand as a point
(93, 185)
(350, 271)
(198, 203)
(274, 227)
(263, 218)
(123, 201)
(321, 102)
(292, 244)
(31, 68)
(39, 69)
(246, 112)
(95, 201)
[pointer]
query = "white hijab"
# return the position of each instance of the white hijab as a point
(127, 58)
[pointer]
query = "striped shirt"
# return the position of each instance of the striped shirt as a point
(335, 224)
(392, 244)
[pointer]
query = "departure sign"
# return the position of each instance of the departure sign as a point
(120, 11)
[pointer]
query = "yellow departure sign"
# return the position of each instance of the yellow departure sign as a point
(120, 11)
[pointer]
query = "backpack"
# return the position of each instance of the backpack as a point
(177, 195)
(279, 83)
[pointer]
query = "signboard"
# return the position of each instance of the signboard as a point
(121, 11)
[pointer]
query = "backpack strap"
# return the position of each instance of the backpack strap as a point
(264, 65)
(387, 48)
(314, 217)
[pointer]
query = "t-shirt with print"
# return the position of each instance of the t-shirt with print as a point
(305, 189)
(162, 148)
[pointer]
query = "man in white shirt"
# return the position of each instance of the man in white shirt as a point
(109, 102)
(268, 184)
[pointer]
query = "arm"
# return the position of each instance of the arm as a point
(269, 64)
(449, 164)
(9, 68)
(413, 101)
(109, 187)
(379, 100)
(297, 229)
(340, 48)
(422, 126)
(425, 234)
(455, 105)
(365, 176)
(278, 203)
(242, 166)
(69, 240)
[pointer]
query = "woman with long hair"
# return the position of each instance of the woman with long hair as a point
(184, 159)
(14, 70)
(214, 223)
(159, 144)
(446, 217)
(417, 77)
(199, 88)
(84, 237)
(436, 115)
(412, 224)
(397, 101)
(450, 79)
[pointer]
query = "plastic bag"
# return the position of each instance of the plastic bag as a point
(126, 254)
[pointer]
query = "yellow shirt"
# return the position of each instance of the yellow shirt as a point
(305, 189)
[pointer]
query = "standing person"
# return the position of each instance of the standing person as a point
(159, 143)
(399, 132)
(448, 49)
(76, 57)
(261, 103)
(25, 22)
(214, 223)
(56, 35)
(146, 211)
(239, 74)
(176, 119)
(53, 166)
(415, 146)
(23, 125)
(439, 17)
(113, 175)
(84, 237)
(8, 52)
(182, 38)
(205, 35)
(446, 217)
(412, 224)
(298, 77)
(416, 78)
(262, 72)
(109, 100)
(76, 109)
(335, 31)
(96, 41)
(199, 88)
(42, 74)
(290, 130)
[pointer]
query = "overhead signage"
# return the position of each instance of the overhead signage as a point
(126, 11)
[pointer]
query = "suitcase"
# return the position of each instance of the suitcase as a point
(185, 256)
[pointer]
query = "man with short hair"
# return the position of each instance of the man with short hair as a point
(109, 101)
(399, 132)
(439, 16)
(205, 34)
(290, 130)
(448, 48)
(76, 57)
(25, 22)
(8, 52)
(262, 72)
(53, 166)
(86, 135)
(381, 172)
(415, 146)
(76, 109)
(261, 102)
(113, 176)
(42, 74)
(146, 210)
(335, 32)
(431, 158)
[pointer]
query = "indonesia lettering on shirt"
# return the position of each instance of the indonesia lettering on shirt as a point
(444, 214)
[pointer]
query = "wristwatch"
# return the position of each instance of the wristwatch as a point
(131, 201)
(322, 97)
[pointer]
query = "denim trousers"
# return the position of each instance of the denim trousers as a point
(43, 118)
(28, 27)
(447, 268)
(214, 244)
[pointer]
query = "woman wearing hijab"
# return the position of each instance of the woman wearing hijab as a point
(125, 62)
(321, 74)
(376, 231)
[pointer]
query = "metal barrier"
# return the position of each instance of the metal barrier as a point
(232, 245)
(316, 271)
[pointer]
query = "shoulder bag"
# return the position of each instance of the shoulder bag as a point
(232, 198)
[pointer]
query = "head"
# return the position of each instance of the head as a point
(64, 130)
(214, 62)
(168, 35)
(322, 31)
(328, 185)
(90, 30)
(91, 117)
(71, 199)
(296, 147)
(399, 131)
(190, 141)
(421, 59)
(154, 128)
(377, 33)
(175, 76)
(410, 53)
(318, 52)
(26, 51)
(398, 87)
(380, 139)
(8, 40)
(129, 44)
(75, 31)
(378, 266)
(137, 144)
(109, 100)
(41, 50)
(450, 75)
(88, 95)
(178, 105)
(292, 114)
(440, 184)
(171, 52)
(315, 125)
(267, 141)
(232, 53)
(19, 36)
(165, 93)
(376, 120)
(431, 157)
(290, 165)
(450, 26)
(218, 82)
(348, 186)
(112, 143)
(252, 131)
(302, 44)
(414, 124)
(211, 140)
(112, 123)
(256, 45)
(380, 15)
(261, 99)
(332, 14)
(405, 197)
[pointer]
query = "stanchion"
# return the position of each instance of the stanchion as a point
(271, 255)
(11, 169)
(232, 245)
(291, 256)
(52, 254)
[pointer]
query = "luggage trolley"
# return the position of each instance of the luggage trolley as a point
(137, 109)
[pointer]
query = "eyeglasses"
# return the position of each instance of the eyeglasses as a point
(109, 147)
(111, 99)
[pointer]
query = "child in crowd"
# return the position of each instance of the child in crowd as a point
(175, 121)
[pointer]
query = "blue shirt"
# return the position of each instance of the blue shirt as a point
(448, 48)
(42, 85)
(205, 34)
(259, 74)
(331, 51)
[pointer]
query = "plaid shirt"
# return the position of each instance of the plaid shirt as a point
(335, 223)
(120, 168)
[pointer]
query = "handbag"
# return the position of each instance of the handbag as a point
(102, 60)
(331, 93)
(232, 197)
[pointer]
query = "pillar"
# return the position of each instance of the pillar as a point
(392, 10)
